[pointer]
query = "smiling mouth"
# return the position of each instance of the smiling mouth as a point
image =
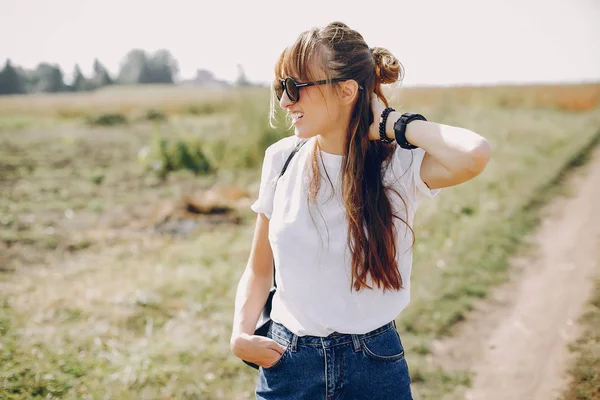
(296, 116)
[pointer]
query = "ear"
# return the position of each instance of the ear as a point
(349, 91)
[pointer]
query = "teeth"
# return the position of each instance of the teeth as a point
(297, 115)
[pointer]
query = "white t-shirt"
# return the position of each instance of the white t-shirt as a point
(312, 258)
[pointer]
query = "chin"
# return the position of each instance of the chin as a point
(303, 133)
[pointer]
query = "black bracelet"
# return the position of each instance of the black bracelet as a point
(400, 129)
(382, 123)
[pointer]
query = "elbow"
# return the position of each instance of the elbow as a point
(479, 157)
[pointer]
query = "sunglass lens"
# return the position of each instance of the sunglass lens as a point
(292, 90)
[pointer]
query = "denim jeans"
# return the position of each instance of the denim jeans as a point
(368, 366)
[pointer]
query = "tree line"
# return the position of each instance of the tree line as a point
(137, 67)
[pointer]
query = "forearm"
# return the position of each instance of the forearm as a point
(250, 298)
(455, 148)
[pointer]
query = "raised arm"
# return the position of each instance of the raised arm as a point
(453, 155)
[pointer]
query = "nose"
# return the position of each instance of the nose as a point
(285, 101)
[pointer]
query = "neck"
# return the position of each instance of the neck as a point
(333, 143)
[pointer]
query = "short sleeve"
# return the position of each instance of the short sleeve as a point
(272, 165)
(406, 165)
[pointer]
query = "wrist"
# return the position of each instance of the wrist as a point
(383, 122)
(412, 131)
(389, 126)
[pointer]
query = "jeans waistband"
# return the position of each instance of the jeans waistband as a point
(334, 339)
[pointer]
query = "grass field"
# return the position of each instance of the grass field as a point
(584, 370)
(119, 281)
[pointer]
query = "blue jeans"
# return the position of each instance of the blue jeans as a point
(337, 367)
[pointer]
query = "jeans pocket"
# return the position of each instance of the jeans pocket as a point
(283, 355)
(384, 346)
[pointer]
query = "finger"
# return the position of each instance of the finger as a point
(281, 347)
(277, 347)
(278, 351)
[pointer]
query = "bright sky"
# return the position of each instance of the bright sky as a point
(438, 42)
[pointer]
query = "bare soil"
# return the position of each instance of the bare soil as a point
(516, 341)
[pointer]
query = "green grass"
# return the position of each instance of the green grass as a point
(100, 306)
(585, 384)
(107, 119)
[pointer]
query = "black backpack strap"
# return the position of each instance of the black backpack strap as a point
(298, 146)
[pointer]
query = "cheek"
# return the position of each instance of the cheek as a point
(321, 119)
(322, 112)
(322, 115)
(328, 117)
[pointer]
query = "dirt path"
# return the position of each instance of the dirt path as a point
(516, 341)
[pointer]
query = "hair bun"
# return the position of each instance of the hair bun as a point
(387, 67)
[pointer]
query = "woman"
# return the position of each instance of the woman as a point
(338, 225)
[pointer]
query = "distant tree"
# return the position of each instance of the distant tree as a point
(80, 83)
(10, 80)
(101, 76)
(28, 77)
(241, 79)
(139, 67)
(49, 78)
(134, 67)
(163, 68)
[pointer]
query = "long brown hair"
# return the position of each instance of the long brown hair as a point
(342, 53)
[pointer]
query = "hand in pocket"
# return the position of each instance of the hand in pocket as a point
(259, 350)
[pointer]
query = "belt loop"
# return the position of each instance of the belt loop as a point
(394, 321)
(294, 342)
(356, 342)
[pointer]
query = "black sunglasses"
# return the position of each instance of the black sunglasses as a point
(292, 88)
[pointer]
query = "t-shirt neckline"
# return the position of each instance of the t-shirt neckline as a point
(329, 158)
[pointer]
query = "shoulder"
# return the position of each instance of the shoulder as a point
(282, 146)
(406, 170)
(276, 153)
